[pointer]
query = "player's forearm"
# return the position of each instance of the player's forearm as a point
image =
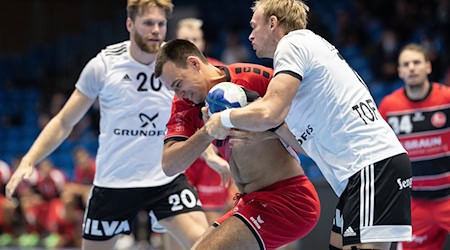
(209, 152)
(48, 140)
(257, 116)
(180, 155)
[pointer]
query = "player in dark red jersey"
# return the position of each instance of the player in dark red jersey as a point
(419, 115)
(277, 204)
(208, 183)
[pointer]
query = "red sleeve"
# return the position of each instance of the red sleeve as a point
(251, 76)
(382, 107)
(184, 120)
(391, 102)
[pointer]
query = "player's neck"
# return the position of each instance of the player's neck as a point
(141, 56)
(216, 75)
(419, 91)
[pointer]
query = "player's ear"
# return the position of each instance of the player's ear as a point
(129, 24)
(194, 61)
(273, 20)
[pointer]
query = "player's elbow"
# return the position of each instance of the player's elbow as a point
(169, 169)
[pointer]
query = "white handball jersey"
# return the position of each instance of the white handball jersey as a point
(134, 110)
(333, 114)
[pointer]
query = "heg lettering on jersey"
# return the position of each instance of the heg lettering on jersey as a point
(145, 120)
(404, 183)
(366, 111)
(105, 228)
(305, 135)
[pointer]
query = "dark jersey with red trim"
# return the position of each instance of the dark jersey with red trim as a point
(423, 128)
(186, 117)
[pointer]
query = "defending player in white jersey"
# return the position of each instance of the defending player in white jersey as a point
(334, 118)
(134, 110)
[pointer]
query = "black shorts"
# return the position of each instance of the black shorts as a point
(111, 211)
(376, 204)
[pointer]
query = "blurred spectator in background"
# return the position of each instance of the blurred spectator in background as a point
(41, 206)
(191, 29)
(419, 114)
(234, 50)
(75, 193)
(384, 56)
(7, 209)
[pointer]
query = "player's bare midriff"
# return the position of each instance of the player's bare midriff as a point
(261, 164)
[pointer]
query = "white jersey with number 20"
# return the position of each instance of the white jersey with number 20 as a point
(134, 110)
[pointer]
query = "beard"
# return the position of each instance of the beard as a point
(141, 42)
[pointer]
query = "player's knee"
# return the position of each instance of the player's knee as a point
(331, 247)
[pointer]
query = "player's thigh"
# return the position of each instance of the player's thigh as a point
(336, 239)
(99, 245)
(213, 215)
(186, 227)
(231, 234)
(169, 242)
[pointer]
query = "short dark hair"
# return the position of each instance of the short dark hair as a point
(176, 51)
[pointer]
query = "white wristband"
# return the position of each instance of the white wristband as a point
(225, 118)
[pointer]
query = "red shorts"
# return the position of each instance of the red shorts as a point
(280, 213)
(430, 224)
(207, 184)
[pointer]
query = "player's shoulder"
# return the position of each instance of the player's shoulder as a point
(114, 52)
(442, 90)
(239, 68)
(393, 98)
(179, 104)
(299, 36)
(396, 94)
(111, 54)
(116, 49)
(441, 87)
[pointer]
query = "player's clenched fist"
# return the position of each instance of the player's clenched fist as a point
(214, 127)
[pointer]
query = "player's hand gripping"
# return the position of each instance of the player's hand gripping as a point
(213, 125)
(23, 171)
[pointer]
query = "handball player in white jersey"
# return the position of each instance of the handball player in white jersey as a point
(134, 110)
(335, 120)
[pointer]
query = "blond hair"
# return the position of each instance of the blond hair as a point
(417, 48)
(136, 7)
(292, 14)
(191, 23)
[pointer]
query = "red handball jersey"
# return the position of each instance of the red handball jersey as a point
(186, 117)
(214, 61)
(85, 175)
(51, 185)
(423, 128)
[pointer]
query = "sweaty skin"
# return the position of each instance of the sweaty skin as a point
(257, 164)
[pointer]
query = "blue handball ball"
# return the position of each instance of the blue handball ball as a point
(225, 95)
